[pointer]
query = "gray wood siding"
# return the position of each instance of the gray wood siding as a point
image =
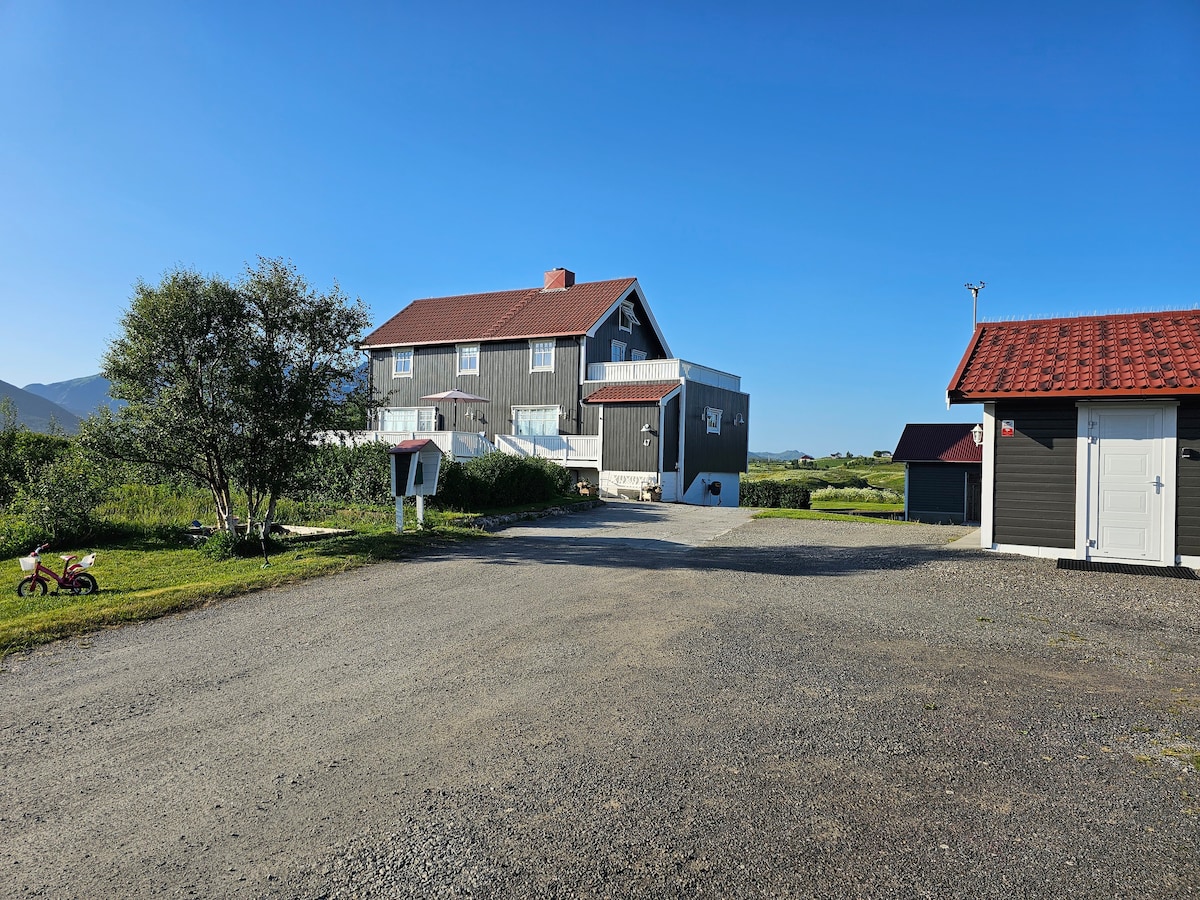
(937, 492)
(504, 378)
(670, 435)
(623, 450)
(704, 452)
(1034, 499)
(641, 338)
(1187, 509)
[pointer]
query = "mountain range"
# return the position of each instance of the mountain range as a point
(61, 405)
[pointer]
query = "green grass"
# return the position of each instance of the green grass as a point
(834, 473)
(824, 516)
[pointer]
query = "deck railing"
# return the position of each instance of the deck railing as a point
(572, 450)
(662, 370)
(458, 444)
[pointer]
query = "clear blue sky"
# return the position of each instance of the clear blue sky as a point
(801, 188)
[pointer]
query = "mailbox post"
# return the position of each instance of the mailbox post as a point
(415, 467)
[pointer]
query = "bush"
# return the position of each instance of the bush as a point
(857, 495)
(339, 473)
(499, 480)
(793, 496)
(221, 545)
(18, 537)
(768, 494)
(62, 498)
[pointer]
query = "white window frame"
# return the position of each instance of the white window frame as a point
(712, 420)
(397, 355)
(459, 349)
(555, 410)
(533, 355)
(612, 351)
(428, 413)
(637, 355)
(626, 318)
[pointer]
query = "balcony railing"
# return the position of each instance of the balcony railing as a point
(458, 444)
(571, 450)
(662, 370)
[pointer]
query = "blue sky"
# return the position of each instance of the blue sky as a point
(801, 188)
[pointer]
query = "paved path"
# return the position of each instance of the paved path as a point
(653, 526)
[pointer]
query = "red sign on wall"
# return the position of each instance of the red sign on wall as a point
(1007, 428)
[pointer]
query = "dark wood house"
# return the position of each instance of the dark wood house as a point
(1091, 443)
(579, 373)
(943, 471)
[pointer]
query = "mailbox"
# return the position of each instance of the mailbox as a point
(415, 467)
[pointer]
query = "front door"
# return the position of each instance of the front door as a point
(1127, 493)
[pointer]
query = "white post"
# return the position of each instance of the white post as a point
(399, 515)
(420, 510)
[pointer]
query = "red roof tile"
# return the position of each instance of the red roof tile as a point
(1134, 355)
(632, 393)
(938, 443)
(500, 315)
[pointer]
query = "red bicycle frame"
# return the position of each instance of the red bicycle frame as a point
(70, 579)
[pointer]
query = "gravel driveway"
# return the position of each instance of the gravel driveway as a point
(791, 709)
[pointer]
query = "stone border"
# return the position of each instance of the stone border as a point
(496, 523)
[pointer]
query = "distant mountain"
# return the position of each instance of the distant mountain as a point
(36, 413)
(82, 396)
(785, 456)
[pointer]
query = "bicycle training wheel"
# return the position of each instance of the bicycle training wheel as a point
(31, 586)
(85, 584)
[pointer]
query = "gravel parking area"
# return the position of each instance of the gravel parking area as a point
(792, 709)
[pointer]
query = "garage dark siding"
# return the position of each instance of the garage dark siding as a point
(1034, 501)
(1187, 510)
(937, 492)
(724, 452)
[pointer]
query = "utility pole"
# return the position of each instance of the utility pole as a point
(974, 289)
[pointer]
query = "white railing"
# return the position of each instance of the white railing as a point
(566, 449)
(458, 444)
(662, 370)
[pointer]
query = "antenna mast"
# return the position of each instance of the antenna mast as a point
(974, 289)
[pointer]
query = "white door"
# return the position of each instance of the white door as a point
(1128, 484)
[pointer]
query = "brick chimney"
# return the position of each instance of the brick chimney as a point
(559, 279)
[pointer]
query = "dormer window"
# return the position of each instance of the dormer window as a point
(626, 318)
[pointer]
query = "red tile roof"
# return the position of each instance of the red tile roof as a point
(632, 393)
(500, 315)
(938, 443)
(1134, 355)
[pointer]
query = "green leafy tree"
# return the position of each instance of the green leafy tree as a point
(228, 383)
(298, 367)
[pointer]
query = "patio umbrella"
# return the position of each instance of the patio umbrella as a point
(455, 397)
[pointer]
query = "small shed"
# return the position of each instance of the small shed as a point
(943, 472)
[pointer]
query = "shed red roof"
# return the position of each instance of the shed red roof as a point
(1133, 355)
(500, 315)
(938, 443)
(632, 393)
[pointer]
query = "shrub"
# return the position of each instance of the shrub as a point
(340, 473)
(857, 495)
(499, 480)
(62, 498)
(18, 537)
(769, 494)
(221, 545)
(793, 496)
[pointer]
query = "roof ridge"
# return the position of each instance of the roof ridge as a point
(521, 303)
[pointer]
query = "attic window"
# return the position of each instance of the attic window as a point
(626, 318)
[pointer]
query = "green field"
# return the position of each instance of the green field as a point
(829, 472)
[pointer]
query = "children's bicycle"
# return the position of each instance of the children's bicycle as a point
(75, 578)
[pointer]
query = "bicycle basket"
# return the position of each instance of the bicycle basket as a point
(28, 563)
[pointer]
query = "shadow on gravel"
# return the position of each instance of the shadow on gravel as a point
(619, 553)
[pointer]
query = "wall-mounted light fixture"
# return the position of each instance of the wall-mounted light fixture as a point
(739, 419)
(977, 432)
(646, 427)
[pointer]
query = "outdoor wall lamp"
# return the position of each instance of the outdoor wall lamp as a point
(646, 427)
(739, 419)
(977, 435)
(1189, 453)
